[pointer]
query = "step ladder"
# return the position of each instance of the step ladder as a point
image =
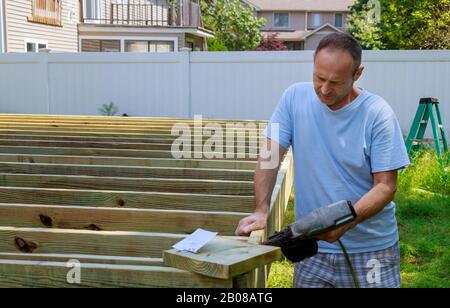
(416, 134)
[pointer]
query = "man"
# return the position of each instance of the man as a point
(347, 145)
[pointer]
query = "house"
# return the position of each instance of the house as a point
(301, 24)
(30, 25)
(101, 25)
(142, 26)
(2, 27)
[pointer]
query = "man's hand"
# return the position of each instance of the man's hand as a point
(256, 221)
(332, 236)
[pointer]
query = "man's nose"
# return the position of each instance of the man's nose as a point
(326, 89)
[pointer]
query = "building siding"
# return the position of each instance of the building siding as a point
(117, 35)
(2, 28)
(297, 20)
(19, 29)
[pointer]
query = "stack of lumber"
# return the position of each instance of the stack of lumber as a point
(107, 192)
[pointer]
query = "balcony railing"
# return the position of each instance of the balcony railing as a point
(46, 12)
(146, 13)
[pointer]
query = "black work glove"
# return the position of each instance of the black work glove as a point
(297, 251)
(294, 250)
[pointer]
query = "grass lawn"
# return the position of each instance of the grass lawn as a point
(423, 214)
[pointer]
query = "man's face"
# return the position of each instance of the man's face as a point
(333, 76)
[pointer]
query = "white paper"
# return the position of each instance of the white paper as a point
(195, 241)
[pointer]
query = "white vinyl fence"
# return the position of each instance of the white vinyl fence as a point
(232, 85)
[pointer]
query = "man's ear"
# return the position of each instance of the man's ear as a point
(358, 73)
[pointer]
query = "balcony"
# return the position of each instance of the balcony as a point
(181, 13)
(46, 12)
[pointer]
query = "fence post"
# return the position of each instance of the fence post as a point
(45, 72)
(186, 80)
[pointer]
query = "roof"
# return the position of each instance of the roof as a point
(327, 25)
(302, 5)
(299, 35)
(288, 35)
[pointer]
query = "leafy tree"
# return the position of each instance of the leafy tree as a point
(402, 24)
(271, 42)
(234, 24)
(108, 109)
(363, 24)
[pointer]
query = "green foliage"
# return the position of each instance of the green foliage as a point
(216, 45)
(233, 23)
(402, 24)
(108, 109)
(425, 173)
(363, 25)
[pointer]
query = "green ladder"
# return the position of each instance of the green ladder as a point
(416, 134)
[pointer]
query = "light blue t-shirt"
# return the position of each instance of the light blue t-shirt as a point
(335, 156)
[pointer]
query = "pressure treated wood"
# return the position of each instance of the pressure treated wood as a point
(194, 186)
(86, 242)
(112, 219)
(127, 199)
(222, 258)
(125, 171)
(107, 191)
(34, 274)
(128, 161)
(121, 152)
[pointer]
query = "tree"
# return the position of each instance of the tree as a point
(401, 24)
(234, 24)
(363, 24)
(271, 42)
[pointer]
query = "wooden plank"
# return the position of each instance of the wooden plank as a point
(49, 257)
(280, 194)
(106, 145)
(146, 136)
(223, 258)
(85, 242)
(105, 128)
(129, 172)
(37, 135)
(54, 274)
(119, 152)
(128, 161)
(119, 118)
(126, 199)
(193, 186)
(112, 219)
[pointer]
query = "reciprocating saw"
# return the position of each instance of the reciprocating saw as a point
(298, 241)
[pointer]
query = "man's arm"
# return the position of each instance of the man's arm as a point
(264, 182)
(373, 202)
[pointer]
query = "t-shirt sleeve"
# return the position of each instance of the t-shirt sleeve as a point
(279, 128)
(388, 151)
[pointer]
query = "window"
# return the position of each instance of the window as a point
(46, 12)
(100, 45)
(316, 20)
(91, 11)
(281, 20)
(149, 46)
(338, 20)
(35, 46)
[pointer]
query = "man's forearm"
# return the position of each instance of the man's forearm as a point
(264, 182)
(373, 202)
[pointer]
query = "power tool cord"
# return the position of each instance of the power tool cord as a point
(350, 265)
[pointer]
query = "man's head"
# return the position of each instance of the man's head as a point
(337, 65)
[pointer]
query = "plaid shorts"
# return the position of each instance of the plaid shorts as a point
(377, 269)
